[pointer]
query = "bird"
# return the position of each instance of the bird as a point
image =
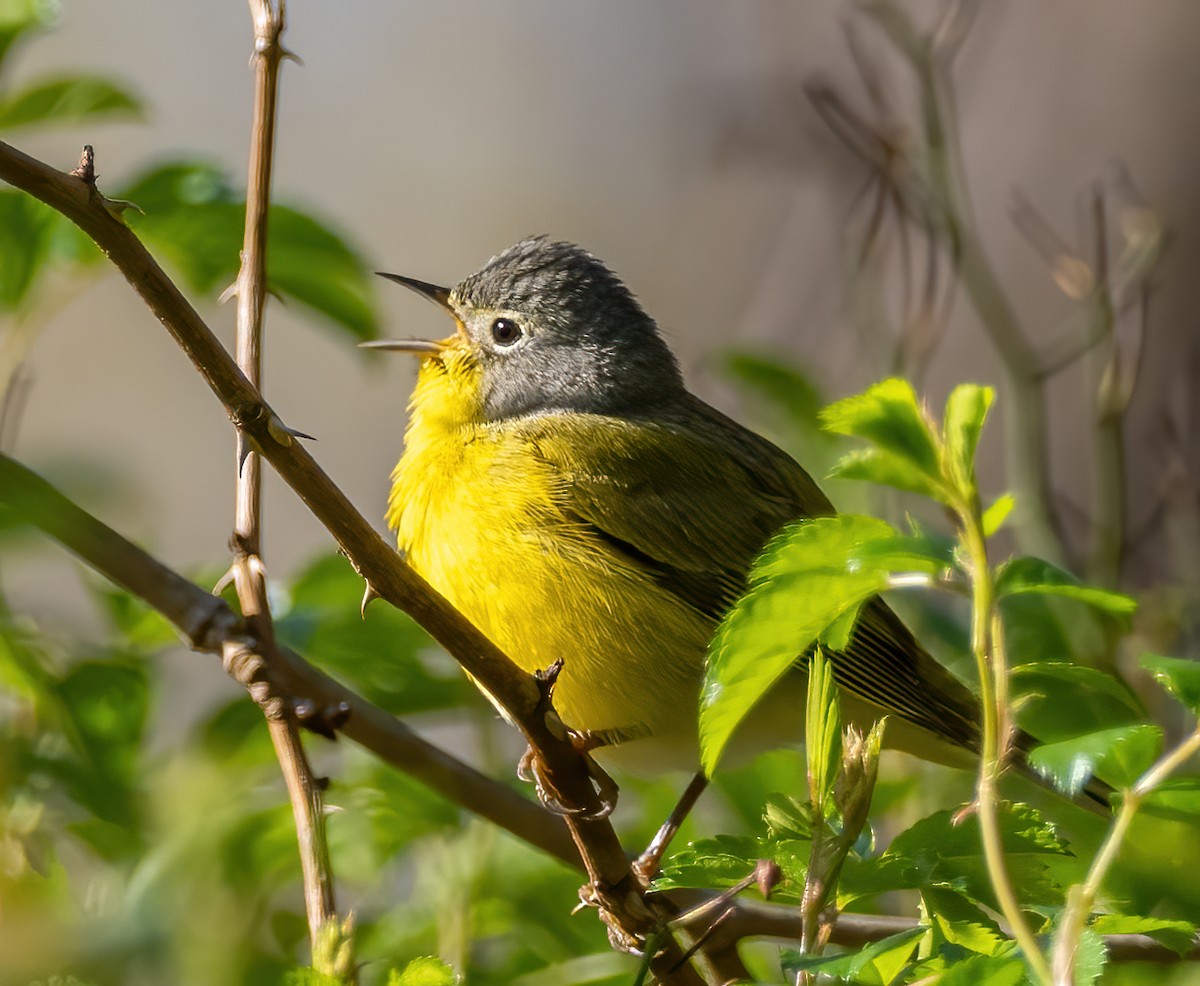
(565, 491)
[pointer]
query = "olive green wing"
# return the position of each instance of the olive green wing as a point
(692, 497)
(672, 496)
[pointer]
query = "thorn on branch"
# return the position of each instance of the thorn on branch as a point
(86, 170)
(324, 721)
(369, 594)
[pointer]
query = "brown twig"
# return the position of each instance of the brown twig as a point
(613, 885)
(249, 576)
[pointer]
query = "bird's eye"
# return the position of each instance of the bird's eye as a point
(506, 332)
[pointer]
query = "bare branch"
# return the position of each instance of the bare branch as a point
(210, 626)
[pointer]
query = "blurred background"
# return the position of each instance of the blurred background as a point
(763, 175)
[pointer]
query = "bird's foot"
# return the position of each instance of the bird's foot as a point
(531, 768)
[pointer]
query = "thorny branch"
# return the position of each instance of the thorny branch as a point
(612, 885)
(248, 571)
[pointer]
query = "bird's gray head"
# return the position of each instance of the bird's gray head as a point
(552, 328)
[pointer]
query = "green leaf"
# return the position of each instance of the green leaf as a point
(874, 465)
(404, 674)
(67, 100)
(719, 862)
(1176, 797)
(1058, 700)
(888, 415)
(310, 263)
(1179, 676)
(1119, 755)
(1179, 936)
(878, 964)
(801, 584)
(960, 921)
(194, 217)
(985, 970)
(906, 553)
(786, 389)
(787, 817)
(936, 851)
(19, 17)
(823, 728)
(425, 971)
(1021, 575)
(995, 515)
(1090, 957)
(966, 410)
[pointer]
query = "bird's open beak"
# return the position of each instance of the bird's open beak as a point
(419, 347)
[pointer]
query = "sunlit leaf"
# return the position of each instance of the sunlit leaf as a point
(878, 964)
(1090, 957)
(885, 468)
(966, 410)
(1119, 755)
(1178, 676)
(1177, 935)
(888, 415)
(425, 971)
(1021, 575)
(995, 515)
(800, 585)
(937, 851)
(67, 100)
(985, 970)
(961, 921)
(823, 726)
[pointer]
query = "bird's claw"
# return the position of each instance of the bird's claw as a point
(530, 768)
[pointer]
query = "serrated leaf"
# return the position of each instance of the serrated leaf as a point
(719, 862)
(961, 921)
(885, 468)
(1021, 575)
(787, 818)
(936, 851)
(424, 971)
(1090, 956)
(966, 410)
(995, 515)
(906, 553)
(1179, 676)
(1119, 755)
(800, 585)
(823, 732)
(67, 100)
(1179, 936)
(888, 415)
(878, 964)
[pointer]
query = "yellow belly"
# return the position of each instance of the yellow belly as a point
(476, 516)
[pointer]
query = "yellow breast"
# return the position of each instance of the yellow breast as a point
(480, 516)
